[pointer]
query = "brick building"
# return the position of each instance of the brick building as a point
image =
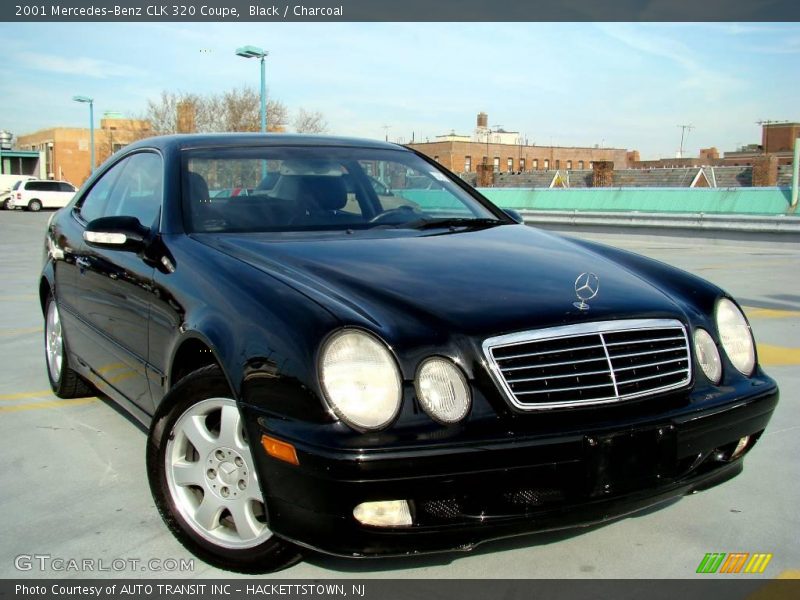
(66, 150)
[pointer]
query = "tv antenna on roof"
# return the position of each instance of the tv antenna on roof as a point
(684, 129)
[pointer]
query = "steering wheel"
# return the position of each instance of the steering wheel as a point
(401, 214)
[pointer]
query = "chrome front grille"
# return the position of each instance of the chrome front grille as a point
(590, 363)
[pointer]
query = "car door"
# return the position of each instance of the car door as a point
(50, 194)
(114, 287)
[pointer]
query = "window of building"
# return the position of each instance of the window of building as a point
(558, 163)
(467, 164)
(521, 165)
(510, 165)
(580, 164)
(535, 164)
(591, 164)
(569, 164)
(496, 164)
(546, 164)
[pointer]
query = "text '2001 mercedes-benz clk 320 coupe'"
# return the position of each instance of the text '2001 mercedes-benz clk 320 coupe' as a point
(338, 345)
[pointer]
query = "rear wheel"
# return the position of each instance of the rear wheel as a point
(65, 382)
(204, 481)
(34, 205)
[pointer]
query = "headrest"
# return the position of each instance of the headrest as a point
(328, 192)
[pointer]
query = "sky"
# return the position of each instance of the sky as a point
(572, 84)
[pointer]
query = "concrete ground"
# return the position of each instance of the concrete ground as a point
(74, 486)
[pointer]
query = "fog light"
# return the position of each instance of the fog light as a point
(388, 513)
(741, 447)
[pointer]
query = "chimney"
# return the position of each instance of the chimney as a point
(603, 173)
(483, 120)
(186, 117)
(765, 171)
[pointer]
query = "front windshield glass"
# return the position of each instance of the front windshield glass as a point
(320, 188)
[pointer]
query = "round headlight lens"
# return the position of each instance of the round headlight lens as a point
(707, 355)
(442, 390)
(735, 335)
(360, 379)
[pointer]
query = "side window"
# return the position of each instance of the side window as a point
(94, 203)
(138, 191)
(65, 187)
(36, 186)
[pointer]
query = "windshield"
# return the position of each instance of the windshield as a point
(320, 188)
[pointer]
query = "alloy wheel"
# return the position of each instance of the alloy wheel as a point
(54, 342)
(211, 476)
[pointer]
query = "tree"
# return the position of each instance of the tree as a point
(310, 122)
(238, 109)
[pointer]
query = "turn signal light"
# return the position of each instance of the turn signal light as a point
(280, 450)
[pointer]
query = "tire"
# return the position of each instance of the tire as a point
(65, 382)
(5, 204)
(34, 205)
(204, 482)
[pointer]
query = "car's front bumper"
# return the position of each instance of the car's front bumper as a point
(462, 495)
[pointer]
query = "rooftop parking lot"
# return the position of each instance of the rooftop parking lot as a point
(74, 482)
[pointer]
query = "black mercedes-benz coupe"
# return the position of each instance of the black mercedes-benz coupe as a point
(337, 344)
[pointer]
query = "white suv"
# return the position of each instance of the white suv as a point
(37, 194)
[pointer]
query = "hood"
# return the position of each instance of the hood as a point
(474, 282)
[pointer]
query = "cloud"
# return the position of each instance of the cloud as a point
(88, 67)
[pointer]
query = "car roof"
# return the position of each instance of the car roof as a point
(232, 140)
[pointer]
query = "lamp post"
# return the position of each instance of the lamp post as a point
(256, 52)
(90, 102)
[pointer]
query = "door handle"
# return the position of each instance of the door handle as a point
(83, 263)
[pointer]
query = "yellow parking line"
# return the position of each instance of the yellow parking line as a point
(46, 404)
(770, 313)
(23, 395)
(778, 356)
(19, 331)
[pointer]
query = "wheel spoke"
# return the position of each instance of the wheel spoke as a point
(207, 514)
(198, 434)
(230, 427)
(188, 473)
(247, 526)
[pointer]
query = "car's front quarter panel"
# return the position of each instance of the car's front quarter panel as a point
(263, 333)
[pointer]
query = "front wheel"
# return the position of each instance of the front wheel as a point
(65, 382)
(204, 480)
(34, 206)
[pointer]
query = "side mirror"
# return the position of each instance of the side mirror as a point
(514, 215)
(117, 233)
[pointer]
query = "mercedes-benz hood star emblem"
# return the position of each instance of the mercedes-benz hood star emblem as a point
(586, 287)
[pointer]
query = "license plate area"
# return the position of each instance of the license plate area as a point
(629, 460)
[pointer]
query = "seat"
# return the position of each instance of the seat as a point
(323, 198)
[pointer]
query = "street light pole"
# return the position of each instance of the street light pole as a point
(90, 102)
(263, 95)
(256, 52)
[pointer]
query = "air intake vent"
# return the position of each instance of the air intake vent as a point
(590, 363)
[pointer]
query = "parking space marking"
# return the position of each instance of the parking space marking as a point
(18, 297)
(47, 404)
(770, 313)
(19, 331)
(25, 395)
(778, 356)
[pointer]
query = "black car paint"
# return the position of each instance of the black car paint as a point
(263, 303)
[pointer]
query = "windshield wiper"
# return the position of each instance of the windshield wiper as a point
(452, 222)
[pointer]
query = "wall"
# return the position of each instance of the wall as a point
(695, 200)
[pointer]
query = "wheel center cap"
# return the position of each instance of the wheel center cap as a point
(228, 472)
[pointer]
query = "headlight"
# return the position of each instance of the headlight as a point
(735, 335)
(360, 379)
(707, 355)
(442, 390)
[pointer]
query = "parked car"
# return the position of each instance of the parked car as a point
(377, 382)
(7, 182)
(36, 194)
